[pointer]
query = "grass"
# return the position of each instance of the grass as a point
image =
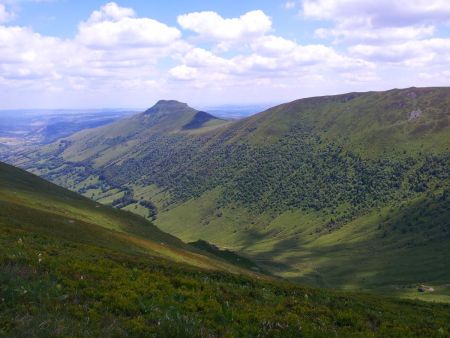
(385, 251)
(35, 205)
(50, 286)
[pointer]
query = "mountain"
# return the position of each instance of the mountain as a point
(347, 191)
(72, 267)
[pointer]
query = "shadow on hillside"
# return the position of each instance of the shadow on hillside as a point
(411, 247)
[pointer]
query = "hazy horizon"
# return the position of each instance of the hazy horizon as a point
(90, 55)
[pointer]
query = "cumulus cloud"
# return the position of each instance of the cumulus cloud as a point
(111, 11)
(183, 72)
(112, 47)
(412, 53)
(270, 57)
(116, 50)
(393, 32)
(212, 26)
(380, 13)
(261, 54)
(28, 55)
(273, 45)
(113, 26)
(375, 22)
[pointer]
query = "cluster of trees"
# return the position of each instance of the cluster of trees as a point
(152, 210)
(298, 171)
(125, 200)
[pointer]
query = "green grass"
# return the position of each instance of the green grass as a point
(227, 255)
(390, 250)
(35, 205)
(318, 190)
(50, 286)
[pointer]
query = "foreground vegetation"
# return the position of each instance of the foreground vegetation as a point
(50, 286)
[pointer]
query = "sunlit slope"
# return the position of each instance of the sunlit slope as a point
(37, 206)
(125, 139)
(373, 123)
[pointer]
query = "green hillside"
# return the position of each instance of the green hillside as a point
(347, 191)
(71, 267)
(34, 205)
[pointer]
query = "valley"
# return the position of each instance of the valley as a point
(72, 267)
(221, 169)
(348, 191)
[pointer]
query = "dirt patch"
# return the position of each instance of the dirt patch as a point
(415, 114)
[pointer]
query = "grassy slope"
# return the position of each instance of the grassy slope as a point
(389, 250)
(121, 140)
(33, 204)
(365, 253)
(371, 123)
(53, 287)
(70, 268)
(373, 249)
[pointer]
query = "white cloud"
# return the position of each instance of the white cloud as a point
(411, 53)
(201, 58)
(273, 45)
(27, 55)
(111, 48)
(116, 51)
(114, 27)
(5, 15)
(111, 11)
(183, 72)
(211, 25)
(380, 13)
(375, 35)
(273, 58)
(377, 22)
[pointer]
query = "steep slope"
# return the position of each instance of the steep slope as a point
(115, 142)
(37, 206)
(320, 190)
(373, 123)
(70, 267)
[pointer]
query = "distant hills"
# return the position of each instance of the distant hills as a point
(31, 127)
(347, 191)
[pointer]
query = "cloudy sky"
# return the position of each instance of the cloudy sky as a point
(92, 54)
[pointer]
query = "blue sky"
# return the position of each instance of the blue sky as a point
(92, 54)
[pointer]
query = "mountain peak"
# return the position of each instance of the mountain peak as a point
(169, 103)
(168, 106)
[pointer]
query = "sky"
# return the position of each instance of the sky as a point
(100, 54)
